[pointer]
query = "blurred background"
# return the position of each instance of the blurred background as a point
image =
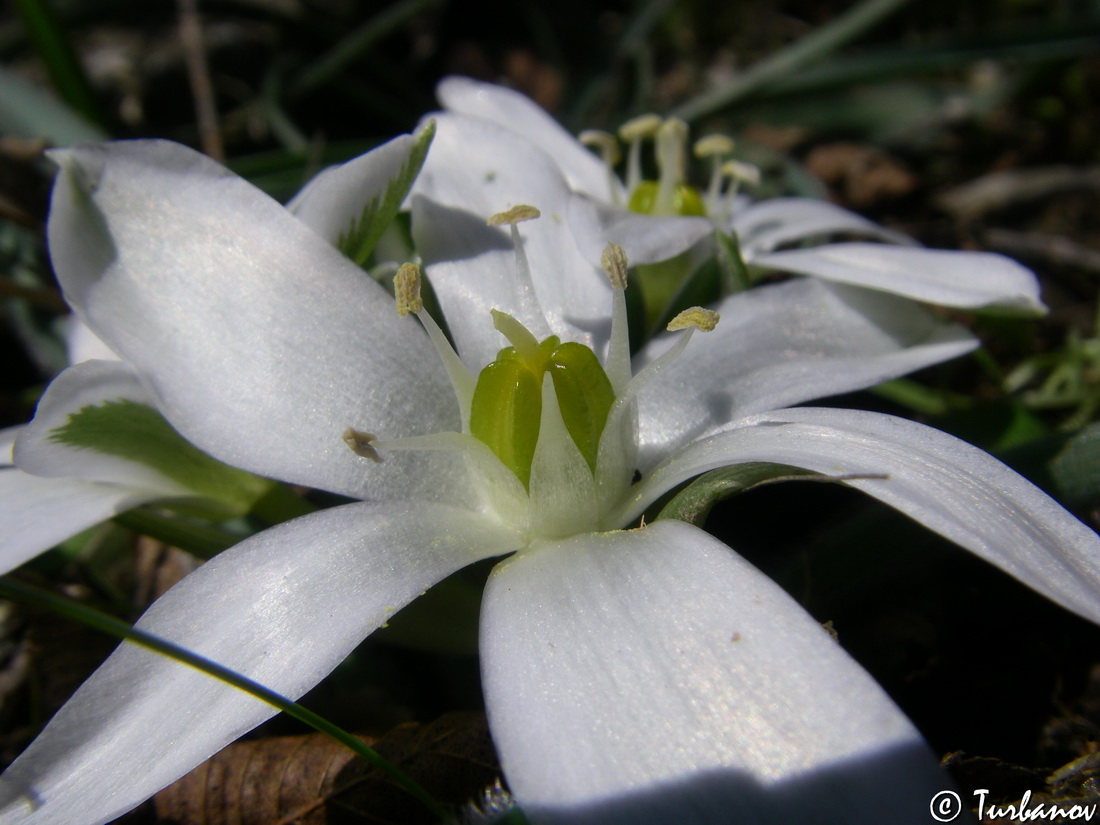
(967, 124)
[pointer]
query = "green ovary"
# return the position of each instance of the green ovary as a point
(685, 200)
(506, 410)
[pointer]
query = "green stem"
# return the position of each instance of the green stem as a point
(821, 42)
(197, 539)
(279, 504)
(108, 624)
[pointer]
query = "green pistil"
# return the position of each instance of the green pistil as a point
(506, 410)
(685, 200)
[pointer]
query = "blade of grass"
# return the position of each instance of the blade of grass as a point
(812, 47)
(53, 46)
(18, 591)
(355, 45)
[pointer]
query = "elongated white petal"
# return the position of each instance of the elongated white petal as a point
(785, 344)
(515, 112)
(39, 513)
(766, 225)
(653, 676)
(947, 485)
(261, 343)
(335, 198)
(646, 238)
(283, 608)
(971, 280)
(88, 384)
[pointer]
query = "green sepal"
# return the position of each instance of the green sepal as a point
(584, 395)
(136, 432)
(1076, 468)
(363, 233)
(659, 284)
(693, 503)
(506, 411)
(702, 288)
(735, 274)
(685, 200)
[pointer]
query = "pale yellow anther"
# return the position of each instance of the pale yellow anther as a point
(741, 172)
(510, 217)
(360, 444)
(603, 142)
(712, 145)
(701, 319)
(406, 290)
(639, 127)
(613, 261)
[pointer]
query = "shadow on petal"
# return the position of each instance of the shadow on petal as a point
(896, 785)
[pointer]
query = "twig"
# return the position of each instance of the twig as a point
(198, 73)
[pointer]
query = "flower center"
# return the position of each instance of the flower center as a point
(506, 411)
(670, 194)
(547, 430)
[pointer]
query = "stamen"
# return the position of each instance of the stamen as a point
(361, 444)
(617, 446)
(529, 302)
(406, 288)
(714, 147)
(711, 145)
(695, 317)
(738, 172)
(632, 133)
(671, 163)
(490, 477)
(613, 261)
(517, 214)
(608, 148)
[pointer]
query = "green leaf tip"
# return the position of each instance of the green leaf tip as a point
(365, 230)
(138, 433)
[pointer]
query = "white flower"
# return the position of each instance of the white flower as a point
(971, 280)
(648, 674)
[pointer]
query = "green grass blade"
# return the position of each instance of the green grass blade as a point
(57, 53)
(17, 591)
(811, 48)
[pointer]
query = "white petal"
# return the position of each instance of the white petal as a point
(261, 343)
(476, 169)
(83, 344)
(654, 676)
(512, 110)
(472, 269)
(646, 239)
(946, 484)
(283, 608)
(87, 384)
(39, 513)
(971, 280)
(785, 344)
(766, 225)
(336, 197)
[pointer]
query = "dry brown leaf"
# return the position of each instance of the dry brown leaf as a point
(311, 780)
(863, 174)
